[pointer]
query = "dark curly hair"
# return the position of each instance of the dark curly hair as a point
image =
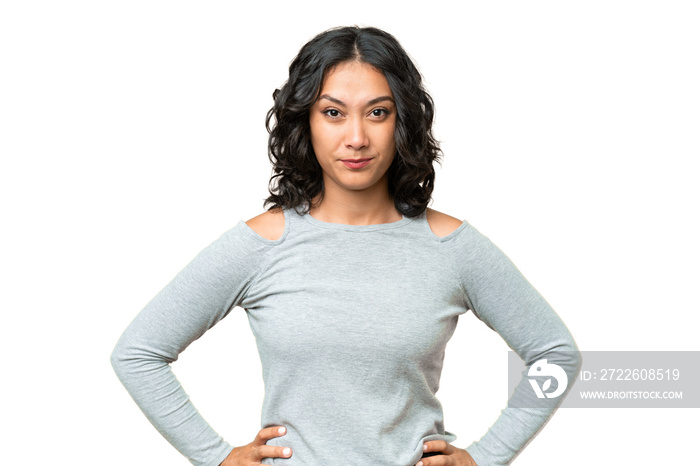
(298, 177)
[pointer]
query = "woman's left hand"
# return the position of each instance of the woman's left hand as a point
(450, 455)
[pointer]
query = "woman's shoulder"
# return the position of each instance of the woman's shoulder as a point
(441, 224)
(269, 224)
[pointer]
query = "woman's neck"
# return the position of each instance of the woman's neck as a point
(355, 208)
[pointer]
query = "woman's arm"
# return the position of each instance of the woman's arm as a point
(503, 299)
(194, 301)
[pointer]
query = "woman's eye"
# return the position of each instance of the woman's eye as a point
(331, 112)
(379, 112)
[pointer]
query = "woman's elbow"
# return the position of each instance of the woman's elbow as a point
(572, 358)
(118, 360)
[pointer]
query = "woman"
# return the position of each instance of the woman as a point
(351, 284)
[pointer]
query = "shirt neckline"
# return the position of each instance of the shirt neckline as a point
(357, 228)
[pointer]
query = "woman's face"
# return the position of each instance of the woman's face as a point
(352, 128)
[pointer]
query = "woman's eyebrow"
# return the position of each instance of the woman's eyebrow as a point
(371, 102)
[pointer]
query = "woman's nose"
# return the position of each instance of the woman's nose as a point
(356, 136)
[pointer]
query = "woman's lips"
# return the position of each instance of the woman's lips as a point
(356, 163)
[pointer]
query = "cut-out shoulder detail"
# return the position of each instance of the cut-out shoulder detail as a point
(441, 224)
(269, 225)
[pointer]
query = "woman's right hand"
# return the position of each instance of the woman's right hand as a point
(256, 450)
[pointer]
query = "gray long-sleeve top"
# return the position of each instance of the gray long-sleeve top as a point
(351, 324)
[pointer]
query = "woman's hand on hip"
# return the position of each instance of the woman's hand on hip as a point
(449, 455)
(256, 450)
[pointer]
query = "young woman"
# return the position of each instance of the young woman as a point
(352, 285)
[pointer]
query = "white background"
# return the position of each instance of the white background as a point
(132, 135)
